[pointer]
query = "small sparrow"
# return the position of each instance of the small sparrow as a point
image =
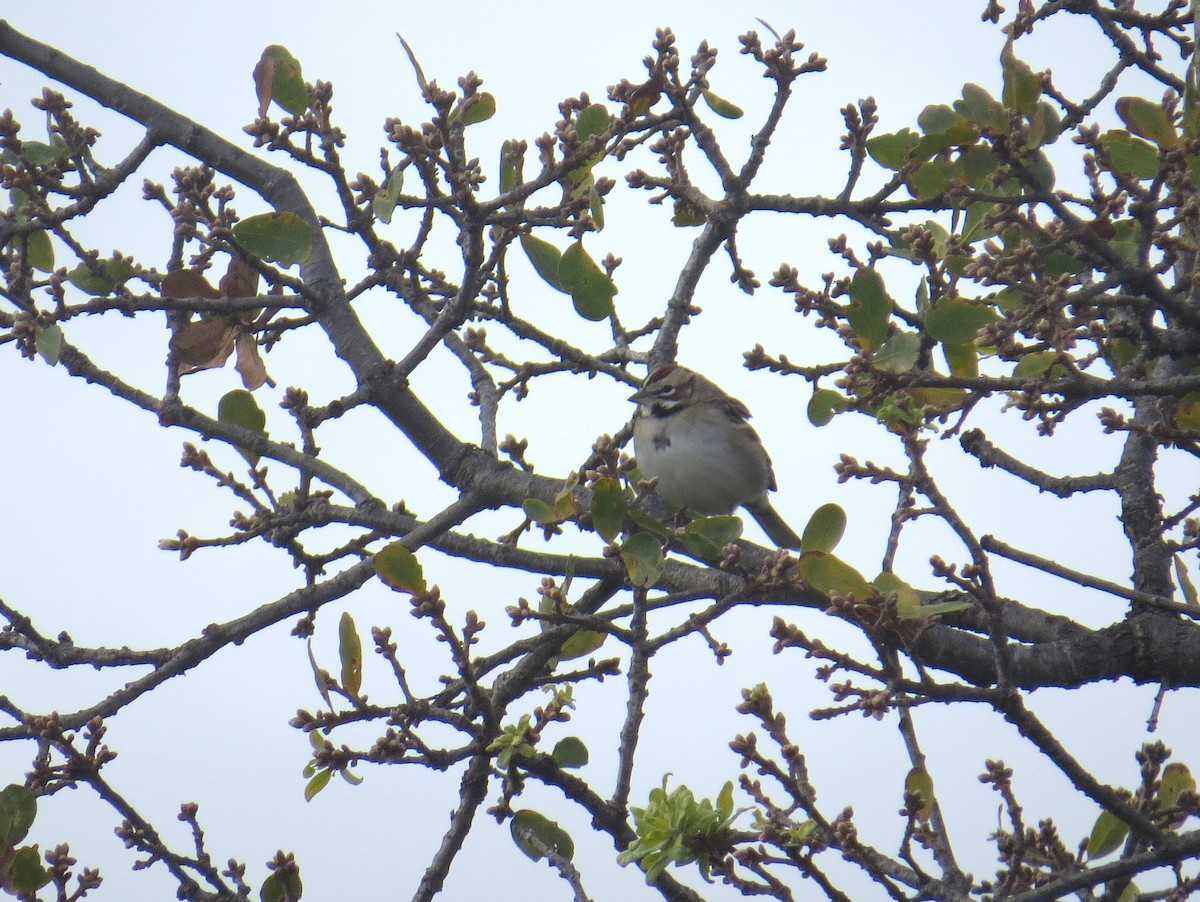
(694, 439)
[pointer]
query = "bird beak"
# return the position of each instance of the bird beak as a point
(639, 396)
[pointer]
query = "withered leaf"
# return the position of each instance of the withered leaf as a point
(187, 283)
(203, 344)
(241, 280)
(250, 363)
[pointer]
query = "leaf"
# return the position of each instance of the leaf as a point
(827, 573)
(383, 204)
(581, 643)
(18, 808)
(534, 833)
(925, 611)
(479, 108)
(963, 359)
(706, 537)
(955, 321)
(824, 529)
(1148, 120)
(545, 258)
(280, 237)
(570, 752)
(643, 558)
(203, 344)
(319, 781)
(920, 782)
(239, 408)
(26, 873)
(250, 364)
(1022, 86)
(722, 107)
(824, 404)
(1038, 363)
(870, 308)
(1107, 835)
(981, 108)
(899, 354)
(508, 166)
(49, 342)
(322, 686)
(892, 151)
(101, 278)
(240, 279)
(1186, 588)
(938, 118)
(590, 287)
(350, 653)
(928, 180)
(399, 568)
(277, 77)
(591, 122)
(39, 251)
(1176, 780)
(187, 283)
(608, 507)
(907, 599)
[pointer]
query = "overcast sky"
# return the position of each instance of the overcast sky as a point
(91, 486)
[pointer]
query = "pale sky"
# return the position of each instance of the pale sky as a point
(93, 485)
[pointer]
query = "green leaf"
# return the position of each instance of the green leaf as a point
(925, 611)
(590, 287)
(26, 873)
(317, 783)
(101, 278)
(892, 151)
(39, 251)
(981, 108)
(1038, 363)
(39, 153)
(239, 408)
(277, 77)
(907, 599)
(824, 529)
(49, 342)
(706, 537)
(1022, 86)
(350, 652)
(963, 359)
(1107, 835)
(977, 165)
(608, 507)
(828, 574)
(920, 782)
(570, 752)
(384, 202)
(824, 404)
(722, 107)
(928, 180)
(534, 833)
(480, 108)
(643, 558)
(1176, 780)
(18, 808)
(580, 644)
(399, 568)
(899, 354)
(508, 166)
(1045, 125)
(955, 321)
(545, 258)
(937, 118)
(1186, 587)
(592, 121)
(870, 308)
(1130, 155)
(1148, 120)
(282, 238)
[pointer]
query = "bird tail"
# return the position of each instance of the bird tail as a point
(774, 526)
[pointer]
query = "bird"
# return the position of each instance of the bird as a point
(695, 440)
